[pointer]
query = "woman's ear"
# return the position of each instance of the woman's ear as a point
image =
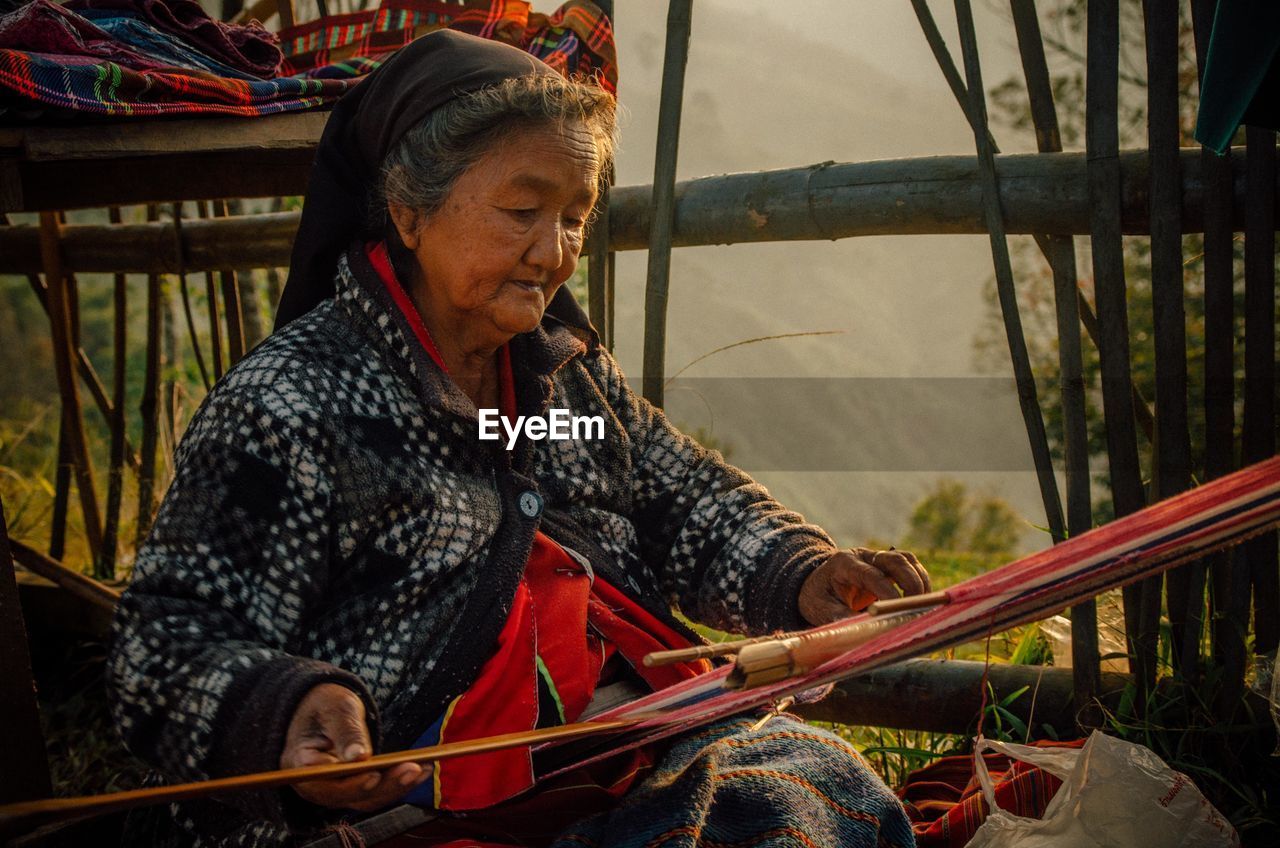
(407, 222)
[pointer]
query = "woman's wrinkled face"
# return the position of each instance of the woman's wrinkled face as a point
(508, 235)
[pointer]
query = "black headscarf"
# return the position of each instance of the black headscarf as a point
(364, 127)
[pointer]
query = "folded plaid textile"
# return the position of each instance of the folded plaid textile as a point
(164, 57)
(45, 27)
(89, 85)
(577, 39)
(945, 803)
(248, 47)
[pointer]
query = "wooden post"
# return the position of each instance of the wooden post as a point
(186, 305)
(1062, 261)
(1102, 141)
(599, 281)
(150, 405)
(211, 293)
(1028, 398)
(1171, 463)
(658, 279)
(1259, 434)
(600, 292)
(1228, 647)
(106, 566)
(25, 776)
(230, 301)
(61, 323)
(61, 492)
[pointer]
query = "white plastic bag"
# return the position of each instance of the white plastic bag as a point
(1114, 794)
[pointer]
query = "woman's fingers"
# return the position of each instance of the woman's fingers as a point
(900, 566)
(365, 792)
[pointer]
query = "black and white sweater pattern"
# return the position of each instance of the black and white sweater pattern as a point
(334, 517)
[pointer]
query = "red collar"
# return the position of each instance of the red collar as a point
(381, 262)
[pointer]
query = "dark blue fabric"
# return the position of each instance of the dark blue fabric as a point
(786, 784)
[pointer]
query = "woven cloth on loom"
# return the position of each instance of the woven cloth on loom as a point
(93, 71)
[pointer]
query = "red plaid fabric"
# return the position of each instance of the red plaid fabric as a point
(945, 803)
(577, 39)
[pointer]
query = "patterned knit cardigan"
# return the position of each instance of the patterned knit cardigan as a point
(334, 517)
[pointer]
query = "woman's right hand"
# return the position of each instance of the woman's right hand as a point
(329, 727)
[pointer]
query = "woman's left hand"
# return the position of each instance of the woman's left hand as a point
(851, 579)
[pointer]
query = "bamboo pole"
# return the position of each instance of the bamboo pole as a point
(211, 292)
(930, 195)
(600, 292)
(1171, 463)
(86, 588)
(26, 773)
(662, 221)
(1258, 437)
(1028, 398)
(106, 566)
(1102, 149)
(61, 323)
(1228, 648)
(230, 301)
(186, 305)
(1060, 250)
(61, 493)
(150, 405)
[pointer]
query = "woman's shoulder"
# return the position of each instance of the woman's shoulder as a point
(294, 377)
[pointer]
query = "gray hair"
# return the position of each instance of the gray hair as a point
(422, 168)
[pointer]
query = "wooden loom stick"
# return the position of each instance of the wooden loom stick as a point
(734, 646)
(778, 659)
(31, 813)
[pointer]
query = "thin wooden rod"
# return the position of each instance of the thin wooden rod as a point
(61, 493)
(1060, 251)
(1258, 437)
(599, 281)
(662, 221)
(149, 407)
(186, 306)
(1228, 647)
(1102, 149)
(231, 301)
(599, 258)
(1028, 397)
(31, 813)
(83, 587)
(106, 565)
(61, 324)
(1171, 463)
(211, 293)
(26, 772)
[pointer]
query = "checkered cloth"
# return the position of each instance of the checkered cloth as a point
(323, 59)
(576, 40)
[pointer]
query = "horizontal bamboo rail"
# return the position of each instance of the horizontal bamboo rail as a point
(945, 696)
(935, 195)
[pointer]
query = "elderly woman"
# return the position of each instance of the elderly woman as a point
(342, 565)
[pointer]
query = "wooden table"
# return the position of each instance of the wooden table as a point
(156, 160)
